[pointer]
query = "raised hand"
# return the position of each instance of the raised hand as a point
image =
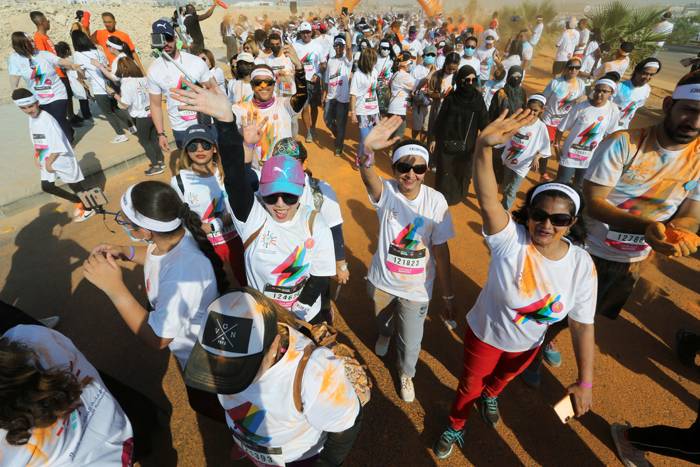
(196, 98)
(252, 128)
(380, 136)
(291, 53)
(503, 128)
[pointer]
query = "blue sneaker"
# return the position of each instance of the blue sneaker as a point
(443, 446)
(488, 407)
(551, 355)
(531, 377)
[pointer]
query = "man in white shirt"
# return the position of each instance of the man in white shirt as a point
(566, 45)
(163, 75)
(281, 65)
(537, 31)
(664, 27)
(311, 55)
(413, 43)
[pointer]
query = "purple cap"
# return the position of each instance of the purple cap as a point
(282, 174)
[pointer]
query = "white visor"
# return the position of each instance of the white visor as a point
(145, 222)
(567, 190)
(410, 150)
(687, 91)
(25, 101)
(262, 73)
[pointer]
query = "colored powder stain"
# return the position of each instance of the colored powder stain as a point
(528, 282)
(338, 397)
(327, 378)
(676, 236)
(39, 438)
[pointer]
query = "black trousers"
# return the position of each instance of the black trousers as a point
(146, 134)
(58, 110)
(51, 188)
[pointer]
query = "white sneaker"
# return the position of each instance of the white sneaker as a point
(132, 129)
(83, 215)
(119, 139)
(381, 347)
(50, 322)
(408, 394)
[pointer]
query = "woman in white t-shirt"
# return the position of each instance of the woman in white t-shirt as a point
(336, 93)
(537, 277)
(238, 88)
(216, 72)
(182, 272)
(133, 97)
(199, 181)
(401, 85)
(414, 227)
(364, 104)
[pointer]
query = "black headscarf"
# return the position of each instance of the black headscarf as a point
(465, 92)
(514, 90)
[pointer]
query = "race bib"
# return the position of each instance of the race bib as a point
(626, 241)
(41, 146)
(403, 261)
(580, 153)
(286, 296)
(188, 115)
(260, 455)
(371, 103)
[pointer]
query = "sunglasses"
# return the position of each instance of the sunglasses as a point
(262, 83)
(557, 220)
(287, 198)
(121, 219)
(429, 55)
(574, 67)
(192, 147)
(405, 167)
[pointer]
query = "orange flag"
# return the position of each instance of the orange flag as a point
(222, 4)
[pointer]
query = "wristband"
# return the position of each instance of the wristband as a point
(132, 253)
(448, 297)
(585, 384)
(162, 133)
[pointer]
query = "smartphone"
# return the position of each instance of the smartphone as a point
(565, 408)
(93, 198)
(344, 11)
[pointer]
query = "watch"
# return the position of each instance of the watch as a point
(343, 267)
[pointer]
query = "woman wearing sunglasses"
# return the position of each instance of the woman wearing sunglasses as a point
(414, 227)
(279, 112)
(288, 248)
(562, 94)
(537, 277)
(182, 273)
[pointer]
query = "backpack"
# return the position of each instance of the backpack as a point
(315, 185)
(325, 335)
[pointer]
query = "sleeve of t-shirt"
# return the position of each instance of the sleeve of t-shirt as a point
(505, 242)
(255, 220)
(14, 67)
(548, 90)
(545, 148)
(608, 161)
(568, 121)
(55, 138)
(387, 192)
(175, 300)
(330, 209)
(49, 57)
(323, 252)
(153, 86)
(586, 293)
(131, 45)
(443, 229)
(355, 86)
(329, 399)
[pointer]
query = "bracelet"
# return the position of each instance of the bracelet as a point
(585, 384)
(162, 133)
(132, 253)
(249, 146)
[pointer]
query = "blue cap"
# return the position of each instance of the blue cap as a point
(282, 174)
(163, 26)
(196, 132)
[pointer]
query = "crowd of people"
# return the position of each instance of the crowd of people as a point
(238, 251)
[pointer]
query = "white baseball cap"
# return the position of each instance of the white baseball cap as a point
(305, 26)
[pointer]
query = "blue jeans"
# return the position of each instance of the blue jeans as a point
(179, 138)
(366, 122)
(335, 115)
(510, 185)
(565, 174)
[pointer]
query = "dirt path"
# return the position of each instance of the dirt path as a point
(637, 375)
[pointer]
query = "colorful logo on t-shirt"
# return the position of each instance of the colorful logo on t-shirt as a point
(293, 268)
(247, 418)
(516, 148)
(406, 239)
(628, 110)
(565, 102)
(652, 203)
(186, 115)
(588, 136)
(40, 151)
(540, 311)
(42, 85)
(406, 254)
(215, 208)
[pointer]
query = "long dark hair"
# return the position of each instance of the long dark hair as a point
(577, 233)
(159, 201)
(31, 396)
(125, 48)
(81, 41)
(22, 44)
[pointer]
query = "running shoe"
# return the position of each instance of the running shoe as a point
(443, 446)
(81, 214)
(488, 407)
(551, 355)
(381, 347)
(120, 139)
(132, 129)
(628, 454)
(309, 137)
(531, 377)
(154, 170)
(408, 393)
(338, 152)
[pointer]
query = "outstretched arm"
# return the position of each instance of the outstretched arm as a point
(207, 13)
(379, 138)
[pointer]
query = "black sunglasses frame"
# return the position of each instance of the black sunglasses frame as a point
(287, 198)
(404, 168)
(557, 219)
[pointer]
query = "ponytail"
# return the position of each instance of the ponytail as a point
(193, 224)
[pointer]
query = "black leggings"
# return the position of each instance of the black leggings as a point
(146, 134)
(681, 443)
(140, 410)
(116, 117)
(85, 108)
(51, 188)
(58, 109)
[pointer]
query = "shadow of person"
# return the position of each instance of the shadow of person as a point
(91, 164)
(678, 271)
(39, 277)
(367, 219)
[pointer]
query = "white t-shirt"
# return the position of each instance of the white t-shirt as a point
(561, 97)
(619, 66)
(48, 138)
(264, 421)
(583, 36)
(383, 68)
(239, 91)
(415, 46)
(163, 75)
(330, 208)
(283, 68)
(566, 45)
(207, 197)
(419, 73)
(364, 88)
(472, 62)
(75, 85)
(486, 61)
(664, 27)
(524, 146)
(629, 99)
(285, 254)
(403, 264)
(93, 75)
(647, 181)
(311, 56)
(528, 50)
(39, 73)
(402, 83)
(589, 57)
(338, 72)
(97, 432)
(525, 292)
(180, 286)
(537, 33)
(134, 93)
(490, 88)
(588, 126)
(219, 77)
(279, 125)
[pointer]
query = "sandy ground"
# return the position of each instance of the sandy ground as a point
(638, 379)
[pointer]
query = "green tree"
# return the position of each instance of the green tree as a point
(685, 30)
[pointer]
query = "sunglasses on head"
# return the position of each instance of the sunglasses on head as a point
(287, 198)
(557, 220)
(405, 167)
(192, 147)
(262, 82)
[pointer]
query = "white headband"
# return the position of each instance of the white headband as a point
(652, 65)
(338, 40)
(539, 98)
(687, 91)
(145, 221)
(264, 72)
(607, 82)
(410, 150)
(114, 45)
(25, 101)
(567, 190)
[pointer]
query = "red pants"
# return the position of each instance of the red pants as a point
(231, 253)
(487, 370)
